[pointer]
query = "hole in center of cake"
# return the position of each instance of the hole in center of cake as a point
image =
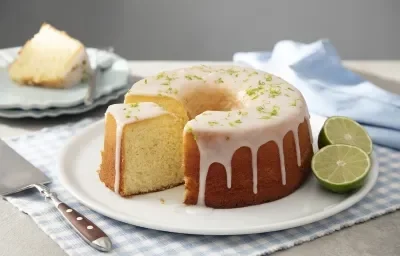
(209, 98)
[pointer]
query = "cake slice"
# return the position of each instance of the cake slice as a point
(51, 59)
(142, 149)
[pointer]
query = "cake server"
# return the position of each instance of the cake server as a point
(17, 174)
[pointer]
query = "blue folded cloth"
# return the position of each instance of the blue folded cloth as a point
(331, 89)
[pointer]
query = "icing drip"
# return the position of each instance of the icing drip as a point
(202, 179)
(296, 141)
(310, 131)
(229, 175)
(118, 135)
(254, 152)
(282, 160)
(126, 114)
(212, 152)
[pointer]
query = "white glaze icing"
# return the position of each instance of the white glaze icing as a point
(126, 114)
(270, 109)
(297, 144)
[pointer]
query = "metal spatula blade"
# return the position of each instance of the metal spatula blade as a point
(17, 174)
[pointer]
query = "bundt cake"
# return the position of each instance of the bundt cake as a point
(51, 59)
(246, 139)
(142, 149)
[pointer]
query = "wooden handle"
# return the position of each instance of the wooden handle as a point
(92, 234)
(85, 228)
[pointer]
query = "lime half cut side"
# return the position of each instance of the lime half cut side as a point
(343, 130)
(341, 168)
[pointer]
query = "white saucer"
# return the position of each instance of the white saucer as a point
(74, 110)
(77, 171)
(54, 112)
(26, 97)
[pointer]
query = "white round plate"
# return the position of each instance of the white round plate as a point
(28, 97)
(80, 160)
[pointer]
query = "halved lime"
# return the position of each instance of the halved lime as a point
(343, 130)
(341, 168)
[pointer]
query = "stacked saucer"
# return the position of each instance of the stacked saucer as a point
(18, 101)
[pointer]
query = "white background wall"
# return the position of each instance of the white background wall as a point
(210, 29)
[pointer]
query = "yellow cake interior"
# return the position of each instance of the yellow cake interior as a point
(154, 149)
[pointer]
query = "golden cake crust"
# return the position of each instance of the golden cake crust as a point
(107, 166)
(270, 186)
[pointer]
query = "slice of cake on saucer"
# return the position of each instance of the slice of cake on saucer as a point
(51, 59)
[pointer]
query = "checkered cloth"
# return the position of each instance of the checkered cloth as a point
(41, 148)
